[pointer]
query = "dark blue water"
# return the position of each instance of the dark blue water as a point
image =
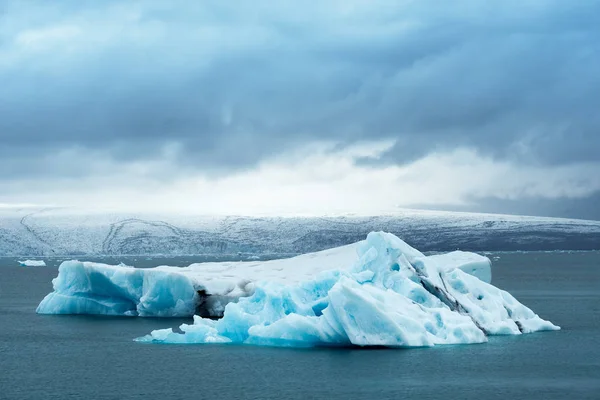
(69, 357)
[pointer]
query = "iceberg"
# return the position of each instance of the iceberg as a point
(377, 292)
(32, 263)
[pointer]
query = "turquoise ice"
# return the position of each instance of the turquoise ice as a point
(377, 292)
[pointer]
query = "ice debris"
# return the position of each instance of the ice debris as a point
(32, 263)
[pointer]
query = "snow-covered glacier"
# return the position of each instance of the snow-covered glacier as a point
(377, 292)
(69, 232)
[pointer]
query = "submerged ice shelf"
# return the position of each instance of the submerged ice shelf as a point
(377, 292)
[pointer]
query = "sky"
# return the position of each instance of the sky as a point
(260, 107)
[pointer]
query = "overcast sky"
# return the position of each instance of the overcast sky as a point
(302, 107)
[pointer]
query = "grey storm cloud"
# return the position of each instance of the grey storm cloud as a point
(231, 85)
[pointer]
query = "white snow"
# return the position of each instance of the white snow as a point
(32, 263)
(471, 263)
(377, 292)
(65, 231)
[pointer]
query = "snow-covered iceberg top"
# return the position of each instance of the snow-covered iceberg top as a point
(378, 292)
(32, 263)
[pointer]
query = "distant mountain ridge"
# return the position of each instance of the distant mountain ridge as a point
(64, 231)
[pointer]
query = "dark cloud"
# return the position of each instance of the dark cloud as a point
(579, 208)
(229, 86)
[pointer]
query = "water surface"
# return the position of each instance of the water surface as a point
(64, 357)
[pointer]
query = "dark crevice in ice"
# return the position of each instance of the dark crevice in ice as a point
(203, 307)
(212, 306)
(445, 297)
(519, 325)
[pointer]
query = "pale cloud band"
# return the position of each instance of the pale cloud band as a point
(313, 180)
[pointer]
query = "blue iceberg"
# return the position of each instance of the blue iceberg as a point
(377, 292)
